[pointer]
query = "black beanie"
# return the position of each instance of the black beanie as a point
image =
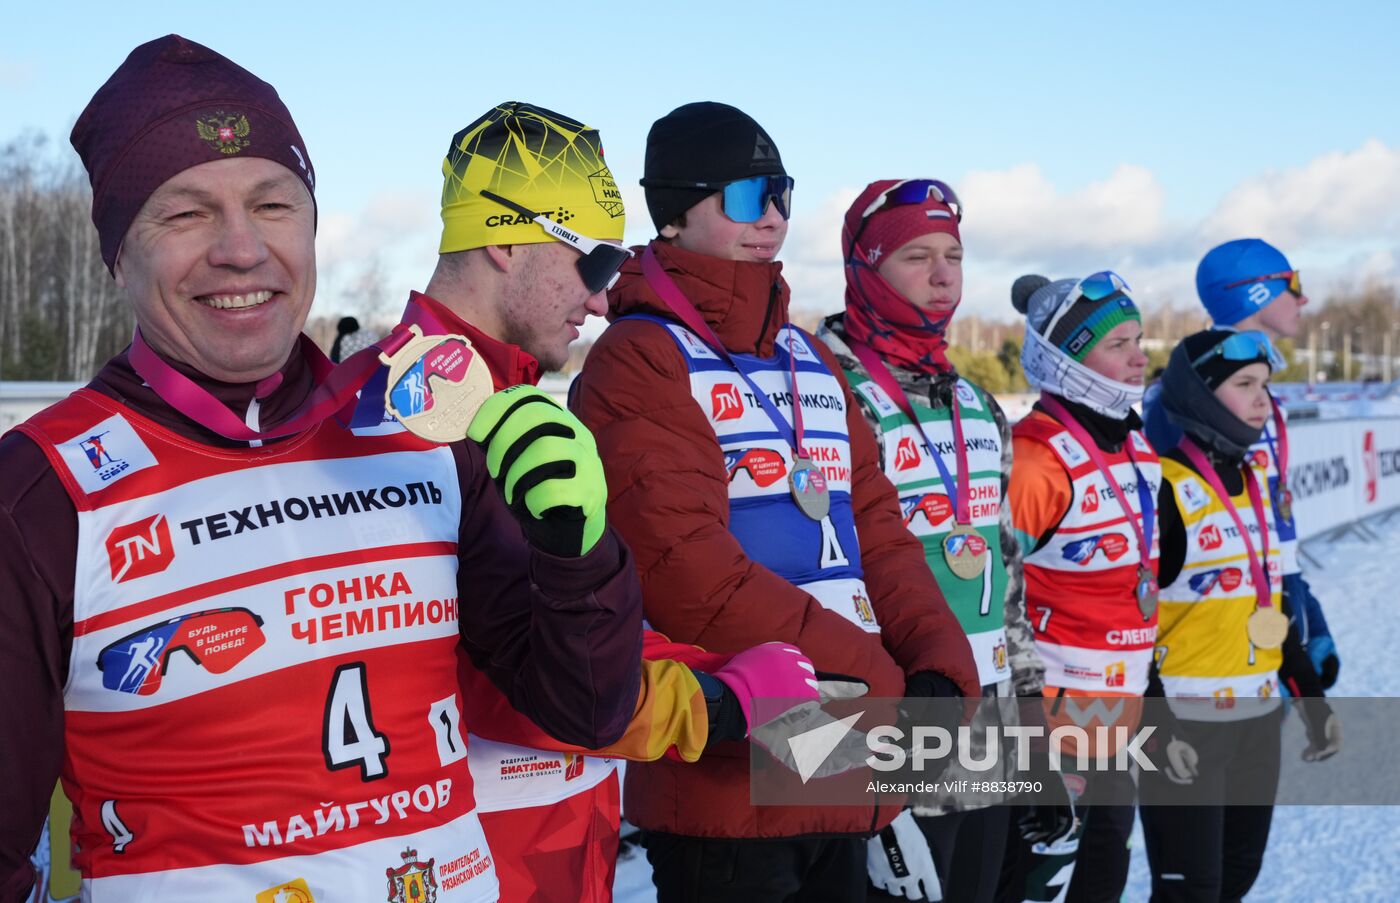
(1216, 368)
(1188, 395)
(704, 142)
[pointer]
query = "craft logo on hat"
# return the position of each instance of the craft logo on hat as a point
(511, 218)
(226, 133)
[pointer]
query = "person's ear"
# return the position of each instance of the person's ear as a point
(503, 257)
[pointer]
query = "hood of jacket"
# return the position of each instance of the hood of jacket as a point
(744, 303)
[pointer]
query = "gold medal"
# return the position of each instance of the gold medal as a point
(965, 550)
(808, 487)
(1267, 628)
(436, 385)
(1147, 591)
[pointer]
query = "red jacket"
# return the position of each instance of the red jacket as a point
(668, 498)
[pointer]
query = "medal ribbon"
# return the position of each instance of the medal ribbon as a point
(672, 296)
(958, 491)
(335, 387)
(1259, 572)
(1279, 449)
(1141, 529)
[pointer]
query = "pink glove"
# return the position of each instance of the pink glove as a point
(770, 671)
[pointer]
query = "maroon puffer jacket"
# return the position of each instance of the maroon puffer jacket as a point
(668, 498)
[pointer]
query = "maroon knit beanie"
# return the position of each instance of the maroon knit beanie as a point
(172, 105)
(892, 227)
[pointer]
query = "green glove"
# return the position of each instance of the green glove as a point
(547, 466)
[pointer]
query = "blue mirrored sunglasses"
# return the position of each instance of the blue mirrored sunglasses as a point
(744, 201)
(1241, 346)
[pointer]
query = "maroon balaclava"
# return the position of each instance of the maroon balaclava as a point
(876, 314)
(172, 105)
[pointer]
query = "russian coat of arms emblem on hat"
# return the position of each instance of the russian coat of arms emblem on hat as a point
(225, 133)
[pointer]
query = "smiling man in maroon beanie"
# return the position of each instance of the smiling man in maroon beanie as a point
(234, 621)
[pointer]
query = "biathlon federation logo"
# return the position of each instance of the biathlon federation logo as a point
(573, 766)
(763, 465)
(725, 403)
(103, 462)
(1082, 551)
(1090, 503)
(934, 506)
(412, 882)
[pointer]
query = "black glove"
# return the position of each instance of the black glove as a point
(931, 685)
(1053, 817)
(1328, 670)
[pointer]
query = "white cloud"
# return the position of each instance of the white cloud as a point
(1338, 196)
(1336, 217)
(1021, 215)
(369, 259)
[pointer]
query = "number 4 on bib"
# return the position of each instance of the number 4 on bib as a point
(349, 738)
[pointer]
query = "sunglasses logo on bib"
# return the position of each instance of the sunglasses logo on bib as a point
(934, 507)
(1228, 579)
(1082, 551)
(763, 465)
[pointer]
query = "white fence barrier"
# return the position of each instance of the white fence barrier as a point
(1341, 470)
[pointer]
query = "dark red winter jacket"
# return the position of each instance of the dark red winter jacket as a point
(668, 498)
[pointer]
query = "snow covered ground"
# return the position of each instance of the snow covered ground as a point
(1316, 854)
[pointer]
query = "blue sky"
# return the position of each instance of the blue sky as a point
(1080, 135)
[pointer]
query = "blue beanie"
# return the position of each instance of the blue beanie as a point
(1243, 258)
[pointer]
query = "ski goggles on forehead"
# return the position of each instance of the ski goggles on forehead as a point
(744, 201)
(1101, 286)
(915, 191)
(601, 262)
(907, 193)
(1241, 346)
(1295, 284)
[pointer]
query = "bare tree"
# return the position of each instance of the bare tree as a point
(61, 313)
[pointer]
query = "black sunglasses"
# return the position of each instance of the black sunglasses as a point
(601, 262)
